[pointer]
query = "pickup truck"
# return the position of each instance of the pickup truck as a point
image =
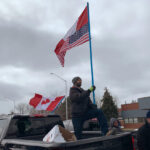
(24, 132)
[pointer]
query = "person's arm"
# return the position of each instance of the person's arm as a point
(92, 88)
(77, 96)
(141, 140)
(111, 132)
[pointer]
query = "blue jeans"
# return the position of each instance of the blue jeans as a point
(92, 113)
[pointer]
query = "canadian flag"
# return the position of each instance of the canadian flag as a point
(42, 103)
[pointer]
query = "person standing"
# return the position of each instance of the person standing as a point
(83, 109)
(143, 136)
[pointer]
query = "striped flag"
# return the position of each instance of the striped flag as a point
(77, 35)
(42, 103)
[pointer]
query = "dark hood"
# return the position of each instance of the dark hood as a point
(112, 120)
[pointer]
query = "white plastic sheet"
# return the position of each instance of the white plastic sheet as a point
(54, 135)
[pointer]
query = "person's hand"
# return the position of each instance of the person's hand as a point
(92, 88)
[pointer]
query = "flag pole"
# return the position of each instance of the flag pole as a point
(90, 45)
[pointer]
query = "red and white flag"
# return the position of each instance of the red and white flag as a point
(77, 35)
(42, 103)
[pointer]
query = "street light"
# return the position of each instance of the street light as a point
(65, 92)
(13, 101)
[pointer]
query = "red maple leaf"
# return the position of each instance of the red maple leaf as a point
(45, 101)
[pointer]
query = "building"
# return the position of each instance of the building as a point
(134, 114)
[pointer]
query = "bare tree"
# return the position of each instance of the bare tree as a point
(97, 100)
(11, 112)
(116, 100)
(23, 108)
(61, 110)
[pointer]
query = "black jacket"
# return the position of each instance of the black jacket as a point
(143, 137)
(80, 101)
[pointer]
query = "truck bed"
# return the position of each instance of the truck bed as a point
(26, 133)
(117, 142)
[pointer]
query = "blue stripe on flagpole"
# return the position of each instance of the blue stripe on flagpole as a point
(58, 105)
(90, 45)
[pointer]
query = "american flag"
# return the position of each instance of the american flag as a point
(76, 36)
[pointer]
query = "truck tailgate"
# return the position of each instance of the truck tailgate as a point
(118, 142)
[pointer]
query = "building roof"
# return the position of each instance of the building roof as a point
(132, 106)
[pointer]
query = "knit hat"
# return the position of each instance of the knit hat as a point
(148, 114)
(75, 79)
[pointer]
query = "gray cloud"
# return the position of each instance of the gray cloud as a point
(25, 47)
(11, 92)
(120, 42)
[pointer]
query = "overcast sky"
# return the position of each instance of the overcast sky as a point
(30, 30)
